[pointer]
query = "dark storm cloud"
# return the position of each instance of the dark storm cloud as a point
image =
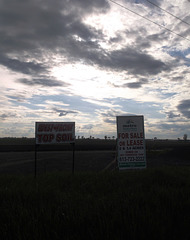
(184, 108)
(17, 97)
(63, 112)
(29, 25)
(30, 29)
(157, 37)
(115, 39)
(172, 115)
(110, 113)
(108, 120)
(109, 116)
(16, 65)
(4, 116)
(141, 42)
(185, 72)
(42, 82)
(138, 84)
(134, 85)
(88, 126)
(133, 61)
(177, 79)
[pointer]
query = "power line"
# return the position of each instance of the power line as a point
(150, 20)
(168, 12)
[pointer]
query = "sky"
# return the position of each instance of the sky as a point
(88, 61)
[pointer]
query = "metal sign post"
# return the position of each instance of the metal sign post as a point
(35, 166)
(73, 166)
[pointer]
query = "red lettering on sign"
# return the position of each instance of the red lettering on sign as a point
(136, 135)
(123, 135)
(134, 142)
(39, 136)
(45, 138)
(64, 137)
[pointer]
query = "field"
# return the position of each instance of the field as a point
(148, 204)
(17, 155)
(97, 201)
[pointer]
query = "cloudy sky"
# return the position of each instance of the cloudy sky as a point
(89, 61)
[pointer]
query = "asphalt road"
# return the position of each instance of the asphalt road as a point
(93, 161)
(24, 162)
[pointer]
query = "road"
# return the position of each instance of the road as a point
(24, 162)
(93, 161)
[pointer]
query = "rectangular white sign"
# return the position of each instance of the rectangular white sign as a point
(131, 142)
(54, 132)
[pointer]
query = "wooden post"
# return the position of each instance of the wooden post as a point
(35, 167)
(73, 158)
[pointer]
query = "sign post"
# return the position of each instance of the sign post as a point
(35, 167)
(73, 158)
(131, 151)
(54, 133)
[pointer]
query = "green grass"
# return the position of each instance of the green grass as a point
(146, 204)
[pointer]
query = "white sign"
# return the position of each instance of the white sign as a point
(55, 132)
(131, 142)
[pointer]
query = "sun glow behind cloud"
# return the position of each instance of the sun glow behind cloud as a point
(92, 83)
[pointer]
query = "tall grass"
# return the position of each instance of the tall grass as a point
(153, 203)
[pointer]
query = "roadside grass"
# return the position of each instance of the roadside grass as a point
(141, 204)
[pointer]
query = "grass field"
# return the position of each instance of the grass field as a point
(147, 204)
(17, 155)
(143, 204)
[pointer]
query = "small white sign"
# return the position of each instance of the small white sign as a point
(55, 132)
(131, 142)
